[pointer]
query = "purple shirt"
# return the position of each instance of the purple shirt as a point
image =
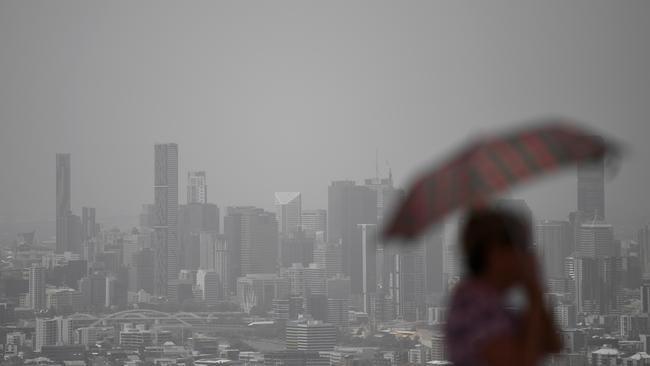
(477, 314)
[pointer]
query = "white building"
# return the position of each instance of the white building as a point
(210, 285)
(288, 211)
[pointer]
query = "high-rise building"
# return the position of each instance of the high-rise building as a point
(597, 283)
(255, 232)
(591, 190)
(645, 297)
(434, 262)
(296, 247)
(363, 276)
(63, 209)
(329, 257)
(48, 332)
(387, 195)
(259, 289)
(643, 240)
(215, 256)
(410, 281)
(596, 239)
(209, 283)
(288, 207)
(37, 299)
(314, 221)
(338, 301)
(197, 188)
(88, 223)
(193, 219)
(142, 271)
(165, 235)
(348, 206)
(314, 336)
(552, 241)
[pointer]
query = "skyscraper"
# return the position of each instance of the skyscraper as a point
(328, 256)
(363, 275)
(165, 235)
(387, 194)
(193, 219)
(434, 262)
(252, 234)
(87, 223)
(314, 221)
(215, 256)
(643, 239)
(596, 239)
(552, 240)
(37, 287)
(197, 188)
(288, 207)
(591, 190)
(62, 201)
(348, 206)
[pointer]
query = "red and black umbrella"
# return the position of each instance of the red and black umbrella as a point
(491, 165)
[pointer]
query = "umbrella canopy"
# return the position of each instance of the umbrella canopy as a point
(491, 165)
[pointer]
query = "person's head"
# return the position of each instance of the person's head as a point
(492, 242)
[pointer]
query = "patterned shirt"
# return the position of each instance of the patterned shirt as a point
(477, 314)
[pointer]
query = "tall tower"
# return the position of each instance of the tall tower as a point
(37, 287)
(165, 235)
(349, 205)
(197, 189)
(288, 207)
(552, 239)
(591, 190)
(62, 201)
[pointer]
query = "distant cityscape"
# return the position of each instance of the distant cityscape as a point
(197, 284)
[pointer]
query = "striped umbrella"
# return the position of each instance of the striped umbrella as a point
(491, 165)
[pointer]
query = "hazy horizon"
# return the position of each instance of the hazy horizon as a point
(289, 96)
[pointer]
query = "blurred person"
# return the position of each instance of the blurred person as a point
(482, 329)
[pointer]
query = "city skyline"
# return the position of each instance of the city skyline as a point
(202, 183)
(328, 101)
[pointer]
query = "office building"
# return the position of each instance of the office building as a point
(165, 235)
(37, 299)
(195, 218)
(552, 241)
(597, 285)
(410, 281)
(329, 257)
(214, 250)
(363, 275)
(197, 188)
(296, 247)
(314, 221)
(349, 205)
(591, 190)
(142, 277)
(311, 336)
(288, 206)
(259, 290)
(434, 262)
(253, 234)
(596, 239)
(210, 285)
(48, 332)
(643, 240)
(88, 224)
(387, 195)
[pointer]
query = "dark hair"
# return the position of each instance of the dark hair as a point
(489, 227)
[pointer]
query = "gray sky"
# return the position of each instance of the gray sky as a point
(282, 96)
